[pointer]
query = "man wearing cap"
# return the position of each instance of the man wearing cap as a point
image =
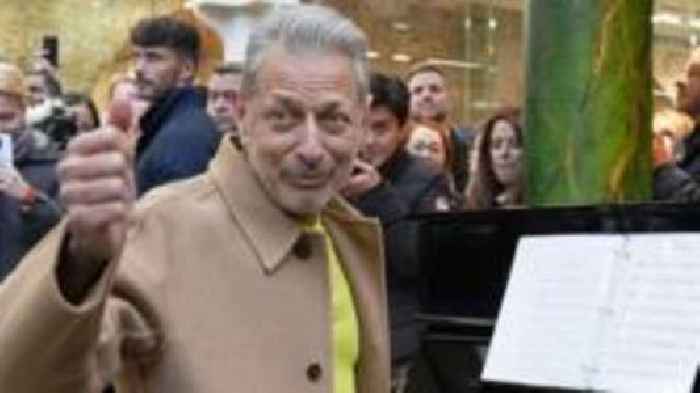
(28, 183)
(680, 182)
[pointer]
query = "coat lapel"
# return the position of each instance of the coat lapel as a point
(271, 232)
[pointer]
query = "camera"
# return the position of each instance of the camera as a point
(55, 121)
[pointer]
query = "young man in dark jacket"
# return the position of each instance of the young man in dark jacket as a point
(178, 137)
(28, 183)
(681, 182)
(392, 185)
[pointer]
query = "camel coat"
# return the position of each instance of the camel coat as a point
(217, 291)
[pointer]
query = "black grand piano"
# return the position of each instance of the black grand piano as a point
(466, 259)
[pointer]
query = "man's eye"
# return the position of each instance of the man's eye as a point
(336, 119)
(276, 115)
(341, 118)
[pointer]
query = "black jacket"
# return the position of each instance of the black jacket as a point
(409, 188)
(462, 140)
(681, 182)
(178, 139)
(21, 227)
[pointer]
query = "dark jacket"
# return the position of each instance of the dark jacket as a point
(462, 140)
(22, 226)
(681, 182)
(178, 139)
(409, 188)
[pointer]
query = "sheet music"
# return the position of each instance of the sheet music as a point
(549, 317)
(611, 312)
(655, 332)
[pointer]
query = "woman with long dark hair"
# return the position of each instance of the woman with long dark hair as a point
(497, 178)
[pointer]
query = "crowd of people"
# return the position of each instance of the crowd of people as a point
(260, 156)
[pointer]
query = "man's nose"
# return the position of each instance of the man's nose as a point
(139, 65)
(310, 149)
(369, 140)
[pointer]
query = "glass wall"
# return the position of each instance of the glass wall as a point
(480, 43)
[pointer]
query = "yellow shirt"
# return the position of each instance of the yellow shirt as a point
(345, 331)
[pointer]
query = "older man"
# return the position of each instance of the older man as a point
(27, 183)
(254, 277)
(681, 182)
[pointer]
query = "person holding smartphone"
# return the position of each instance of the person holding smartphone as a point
(28, 181)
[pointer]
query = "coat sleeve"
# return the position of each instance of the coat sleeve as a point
(383, 202)
(400, 233)
(50, 345)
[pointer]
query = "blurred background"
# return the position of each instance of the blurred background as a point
(479, 42)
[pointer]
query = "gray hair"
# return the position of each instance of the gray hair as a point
(307, 28)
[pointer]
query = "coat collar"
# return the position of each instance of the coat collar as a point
(175, 100)
(271, 231)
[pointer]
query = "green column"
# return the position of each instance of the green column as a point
(589, 101)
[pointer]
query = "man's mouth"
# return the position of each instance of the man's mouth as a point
(143, 83)
(310, 182)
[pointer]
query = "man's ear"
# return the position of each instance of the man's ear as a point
(240, 110)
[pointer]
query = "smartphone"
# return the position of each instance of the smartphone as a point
(49, 44)
(6, 158)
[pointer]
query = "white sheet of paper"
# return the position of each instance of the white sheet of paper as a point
(549, 315)
(611, 312)
(6, 158)
(655, 333)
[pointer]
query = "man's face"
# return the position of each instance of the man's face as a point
(36, 88)
(221, 99)
(384, 136)
(301, 129)
(11, 114)
(159, 69)
(690, 96)
(429, 98)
